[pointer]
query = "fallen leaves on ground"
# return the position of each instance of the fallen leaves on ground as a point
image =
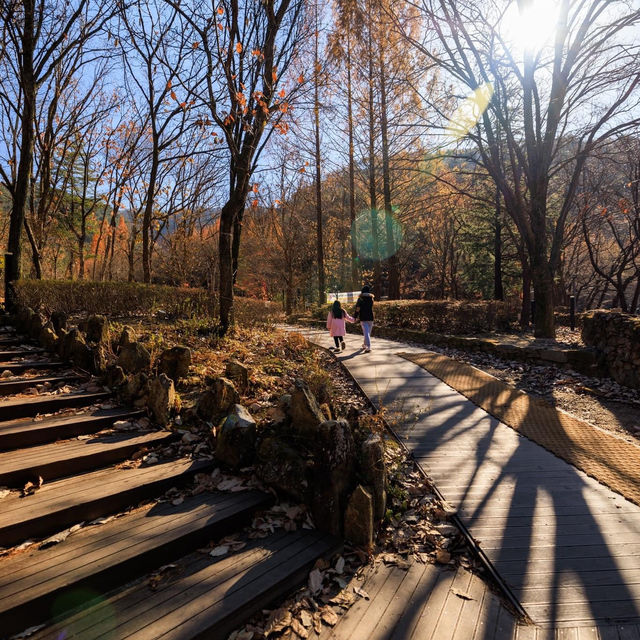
(31, 487)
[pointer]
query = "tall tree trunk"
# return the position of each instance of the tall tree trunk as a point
(35, 252)
(235, 248)
(23, 176)
(377, 284)
(392, 260)
(355, 274)
(225, 262)
(318, 185)
(148, 215)
(498, 288)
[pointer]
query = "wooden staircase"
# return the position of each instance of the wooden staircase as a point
(92, 584)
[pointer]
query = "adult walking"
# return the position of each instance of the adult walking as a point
(364, 313)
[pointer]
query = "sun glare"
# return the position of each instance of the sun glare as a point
(531, 26)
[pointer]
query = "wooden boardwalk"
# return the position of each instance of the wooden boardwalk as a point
(568, 547)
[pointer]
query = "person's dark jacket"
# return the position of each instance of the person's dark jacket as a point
(364, 307)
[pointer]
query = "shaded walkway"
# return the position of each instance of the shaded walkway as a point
(567, 546)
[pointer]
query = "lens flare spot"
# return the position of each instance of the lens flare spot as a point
(469, 112)
(97, 613)
(376, 235)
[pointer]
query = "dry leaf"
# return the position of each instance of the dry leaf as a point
(461, 594)
(315, 581)
(442, 556)
(178, 501)
(30, 488)
(362, 593)
(339, 565)
(306, 618)
(278, 621)
(29, 632)
(329, 616)
(4, 492)
(59, 537)
(219, 551)
(298, 628)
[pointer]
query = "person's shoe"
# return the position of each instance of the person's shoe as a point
(344, 346)
(367, 350)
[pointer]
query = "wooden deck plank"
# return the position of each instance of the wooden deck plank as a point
(117, 550)
(628, 632)
(398, 604)
(64, 458)
(526, 632)
(14, 386)
(23, 407)
(209, 586)
(444, 621)
(61, 503)
(588, 633)
(111, 543)
(469, 618)
(26, 432)
(347, 627)
(380, 604)
(408, 619)
(137, 599)
(27, 365)
(234, 603)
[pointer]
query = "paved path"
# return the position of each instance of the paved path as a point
(568, 547)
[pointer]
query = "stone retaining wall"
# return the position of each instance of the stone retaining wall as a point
(617, 336)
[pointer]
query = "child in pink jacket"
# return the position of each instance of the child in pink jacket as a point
(335, 324)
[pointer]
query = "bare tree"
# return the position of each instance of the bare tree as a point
(39, 36)
(553, 105)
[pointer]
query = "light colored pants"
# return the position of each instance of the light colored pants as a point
(367, 325)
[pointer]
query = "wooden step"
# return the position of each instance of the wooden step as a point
(15, 386)
(62, 459)
(13, 341)
(26, 365)
(207, 599)
(62, 503)
(24, 407)
(100, 558)
(9, 354)
(26, 432)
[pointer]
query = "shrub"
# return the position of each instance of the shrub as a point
(121, 299)
(441, 316)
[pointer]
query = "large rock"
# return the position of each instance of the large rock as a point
(235, 446)
(358, 518)
(49, 338)
(133, 357)
(137, 388)
(374, 473)
(334, 473)
(80, 353)
(304, 411)
(36, 325)
(59, 321)
(72, 346)
(97, 329)
(175, 362)
(162, 398)
(115, 376)
(217, 400)
(282, 467)
(127, 336)
(238, 374)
